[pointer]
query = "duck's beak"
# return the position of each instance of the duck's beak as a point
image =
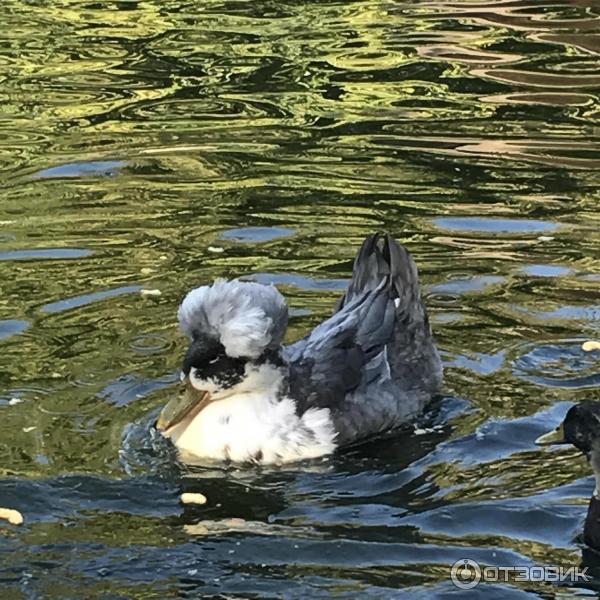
(188, 403)
(556, 436)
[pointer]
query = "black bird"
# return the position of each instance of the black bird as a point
(581, 428)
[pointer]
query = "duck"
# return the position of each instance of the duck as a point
(581, 428)
(248, 398)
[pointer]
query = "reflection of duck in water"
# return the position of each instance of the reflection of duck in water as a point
(581, 428)
(370, 367)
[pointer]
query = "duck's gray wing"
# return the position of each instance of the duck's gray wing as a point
(331, 361)
(373, 363)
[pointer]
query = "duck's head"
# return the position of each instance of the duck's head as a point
(580, 428)
(234, 327)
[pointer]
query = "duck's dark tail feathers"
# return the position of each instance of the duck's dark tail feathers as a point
(384, 265)
(382, 257)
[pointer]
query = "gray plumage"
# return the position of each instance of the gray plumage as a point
(374, 363)
(246, 317)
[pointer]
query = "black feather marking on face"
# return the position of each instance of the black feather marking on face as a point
(209, 360)
(582, 425)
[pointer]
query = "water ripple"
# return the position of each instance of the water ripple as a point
(559, 365)
(85, 299)
(45, 254)
(10, 327)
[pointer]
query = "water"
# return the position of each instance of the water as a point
(159, 144)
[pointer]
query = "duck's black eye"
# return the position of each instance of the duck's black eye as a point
(210, 362)
(223, 370)
(202, 350)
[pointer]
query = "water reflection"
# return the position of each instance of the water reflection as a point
(158, 145)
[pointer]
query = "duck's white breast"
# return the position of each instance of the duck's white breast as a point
(256, 428)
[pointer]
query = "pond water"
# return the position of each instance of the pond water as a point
(162, 143)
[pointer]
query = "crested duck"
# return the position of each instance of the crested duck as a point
(370, 367)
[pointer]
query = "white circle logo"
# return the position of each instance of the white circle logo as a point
(465, 574)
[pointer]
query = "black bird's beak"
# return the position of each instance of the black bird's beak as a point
(554, 437)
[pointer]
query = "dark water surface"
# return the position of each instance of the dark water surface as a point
(161, 143)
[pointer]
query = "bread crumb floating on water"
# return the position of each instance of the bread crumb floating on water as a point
(189, 498)
(545, 238)
(14, 517)
(150, 292)
(590, 345)
(216, 249)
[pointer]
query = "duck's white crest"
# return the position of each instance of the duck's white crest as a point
(246, 317)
